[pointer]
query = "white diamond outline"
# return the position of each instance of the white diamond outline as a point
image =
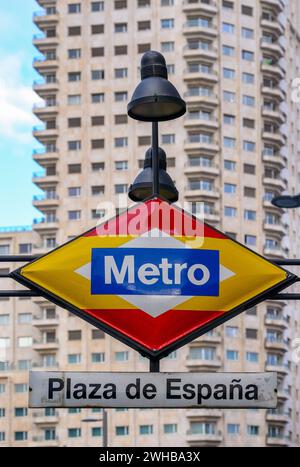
(154, 305)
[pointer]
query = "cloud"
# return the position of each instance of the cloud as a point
(16, 101)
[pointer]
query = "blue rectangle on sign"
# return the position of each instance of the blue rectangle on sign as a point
(155, 271)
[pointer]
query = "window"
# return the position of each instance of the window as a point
(228, 73)
(232, 355)
(74, 191)
(120, 4)
(248, 146)
(142, 48)
(21, 435)
(2, 435)
(74, 215)
(144, 25)
(2, 413)
(122, 356)
(232, 331)
(249, 169)
(247, 10)
(97, 75)
(4, 249)
(252, 357)
(121, 142)
(229, 188)
(97, 51)
(74, 99)
(144, 140)
(121, 96)
(121, 72)
(170, 428)
(4, 320)
(120, 27)
(24, 318)
(248, 78)
(227, 5)
(249, 122)
(121, 165)
(74, 410)
(98, 213)
(98, 190)
(228, 50)
(74, 358)
(203, 428)
(121, 50)
(249, 215)
(97, 121)
(74, 335)
(121, 119)
(25, 341)
(122, 430)
(97, 143)
(228, 119)
(229, 165)
(228, 28)
(248, 100)
(167, 46)
(250, 240)
(167, 23)
(98, 166)
(97, 98)
(97, 334)
(25, 248)
(74, 122)
(24, 365)
(74, 145)
(247, 55)
(168, 139)
(73, 54)
(97, 6)
(21, 412)
(98, 357)
(171, 69)
(247, 33)
(74, 168)
(74, 432)
(74, 31)
(2, 388)
(97, 29)
(50, 412)
(146, 430)
(229, 96)
(233, 428)
(229, 211)
(253, 430)
(74, 8)
(202, 353)
(96, 431)
(249, 192)
(4, 342)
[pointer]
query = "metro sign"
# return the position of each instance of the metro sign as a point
(154, 277)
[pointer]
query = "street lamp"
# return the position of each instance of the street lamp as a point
(286, 201)
(154, 100)
(104, 421)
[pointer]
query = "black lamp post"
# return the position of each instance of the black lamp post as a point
(154, 100)
(286, 201)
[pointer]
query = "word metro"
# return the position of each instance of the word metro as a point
(168, 271)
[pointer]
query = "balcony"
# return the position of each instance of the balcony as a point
(43, 321)
(273, 114)
(199, 364)
(41, 40)
(213, 337)
(42, 419)
(277, 441)
(41, 133)
(44, 367)
(199, 27)
(44, 345)
(279, 322)
(200, 51)
(279, 228)
(278, 183)
(46, 3)
(45, 85)
(203, 440)
(42, 155)
(199, 6)
(203, 414)
(274, 136)
(272, 253)
(283, 395)
(40, 441)
(195, 168)
(42, 178)
(273, 47)
(201, 193)
(280, 368)
(274, 415)
(194, 122)
(43, 64)
(277, 5)
(45, 224)
(198, 96)
(41, 18)
(200, 74)
(277, 344)
(43, 110)
(45, 201)
(273, 91)
(273, 26)
(198, 143)
(272, 68)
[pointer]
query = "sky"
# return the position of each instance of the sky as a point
(16, 118)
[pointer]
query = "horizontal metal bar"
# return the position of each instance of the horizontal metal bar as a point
(18, 293)
(4, 274)
(287, 262)
(18, 258)
(285, 296)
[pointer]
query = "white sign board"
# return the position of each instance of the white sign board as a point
(153, 390)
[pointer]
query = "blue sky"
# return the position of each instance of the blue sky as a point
(16, 118)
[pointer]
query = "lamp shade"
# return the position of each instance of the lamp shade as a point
(142, 187)
(155, 99)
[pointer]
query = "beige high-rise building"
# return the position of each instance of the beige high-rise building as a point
(234, 61)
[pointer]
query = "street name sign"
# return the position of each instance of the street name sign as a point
(155, 277)
(141, 390)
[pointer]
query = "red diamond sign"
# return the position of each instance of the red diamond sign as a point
(154, 277)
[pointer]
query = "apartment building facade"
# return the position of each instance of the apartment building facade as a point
(233, 62)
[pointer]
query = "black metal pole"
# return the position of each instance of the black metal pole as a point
(105, 429)
(18, 293)
(154, 365)
(18, 258)
(155, 161)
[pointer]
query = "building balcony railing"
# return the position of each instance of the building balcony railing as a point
(43, 224)
(41, 345)
(274, 158)
(203, 414)
(201, 192)
(273, 91)
(274, 252)
(283, 394)
(45, 366)
(213, 337)
(42, 62)
(43, 321)
(42, 132)
(194, 6)
(277, 344)
(202, 364)
(279, 227)
(18, 228)
(278, 416)
(280, 368)
(200, 121)
(202, 74)
(43, 419)
(201, 97)
(279, 183)
(277, 440)
(202, 440)
(200, 50)
(45, 17)
(276, 321)
(42, 85)
(194, 169)
(273, 69)
(41, 40)
(272, 25)
(198, 27)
